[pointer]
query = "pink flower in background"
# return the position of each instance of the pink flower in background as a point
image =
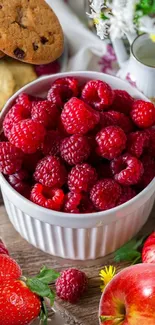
(108, 63)
(130, 80)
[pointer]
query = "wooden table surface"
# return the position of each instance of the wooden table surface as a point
(32, 259)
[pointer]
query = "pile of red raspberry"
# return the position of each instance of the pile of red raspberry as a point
(84, 148)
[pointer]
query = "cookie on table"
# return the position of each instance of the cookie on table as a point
(1, 54)
(30, 31)
(23, 73)
(7, 84)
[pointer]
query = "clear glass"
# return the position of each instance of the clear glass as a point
(143, 49)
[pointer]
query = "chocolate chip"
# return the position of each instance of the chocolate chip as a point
(43, 39)
(1, 6)
(35, 46)
(19, 53)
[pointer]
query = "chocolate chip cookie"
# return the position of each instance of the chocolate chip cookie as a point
(30, 31)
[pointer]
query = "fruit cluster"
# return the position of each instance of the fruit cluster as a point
(85, 148)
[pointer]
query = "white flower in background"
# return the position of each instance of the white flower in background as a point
(147, 25)
(96, 14)
(97, 5)
(122, 17)
(102, 29)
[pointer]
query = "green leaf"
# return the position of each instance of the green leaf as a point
(129, 251)
(41, 289)
(44, 313)
(47, 275)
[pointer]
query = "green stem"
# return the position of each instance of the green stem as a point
(116, 319)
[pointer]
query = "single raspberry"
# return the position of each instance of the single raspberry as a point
(98, 94)
(27, 135)
(75, 149)
(11, 158)
(122, 102)
(50, 172)
(116, 118)
(70, 82)
(71, 285)
(137, 142)
(143, 114)
(50, 198)
(3, 249)
(51, 144)
(24, 100)
(149, 171)
(78, 117)
(72, 202)
(127, 194)
(111, 142)
(20, 181)
(151, 146)
(59, 95)
(46, 69)
(30, 160)
(81, 178)
(105, 194)
(46, 113)
(16, 114)
(127, 170)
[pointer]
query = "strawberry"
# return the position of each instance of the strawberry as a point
(21, 301)
(148, 252)
(18, 304)
(9, 269)
(3, 249)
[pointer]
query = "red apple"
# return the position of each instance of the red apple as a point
(148, 253)
(129, 299)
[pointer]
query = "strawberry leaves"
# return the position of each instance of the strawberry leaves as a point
(40, 286)
(130, 251)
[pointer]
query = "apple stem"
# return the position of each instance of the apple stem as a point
(116, 319)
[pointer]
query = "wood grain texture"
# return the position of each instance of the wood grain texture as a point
(32, 259)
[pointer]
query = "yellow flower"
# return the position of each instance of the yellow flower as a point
(96, 21)
(152, 36)
(107, 275)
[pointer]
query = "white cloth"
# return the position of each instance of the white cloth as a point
(83, 44)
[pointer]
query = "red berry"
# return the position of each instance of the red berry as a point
(27, 135)
(105, 194)
(18, 304)
(122, 102)
(51, 144)
(46, 113)
(116, 118)
(3, 249)
(72, 202)
(71, 285)
(50, 198)
(78, 117)
(45, 69)
(20, 181)
(137, 142)
(59, 95)
(111, 142)
(16, 114)
(10, 158)
(70, 82)
(127, 170)
(81, 178)
(50, 172)
(24, 100)
(30, 160)
(143, 114)
(98, 94)
(9, 269)
(127, 194)
(75, 149)
(149, 171)
(148, 252)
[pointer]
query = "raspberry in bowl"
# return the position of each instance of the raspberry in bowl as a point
(73, 163)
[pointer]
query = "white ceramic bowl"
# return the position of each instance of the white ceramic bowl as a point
(76, 236)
